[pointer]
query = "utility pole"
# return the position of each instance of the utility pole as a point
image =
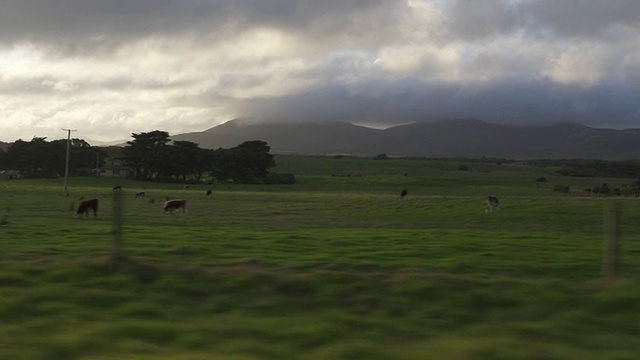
(66, 167)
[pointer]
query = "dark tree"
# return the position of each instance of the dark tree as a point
(180, 159)
(5, 164)
(187, 155)
(224, 166)
(37, 157)
(82, 156)
(112, 155)
(206, 162)
(145, 153)
(19, 157)
(247, 163)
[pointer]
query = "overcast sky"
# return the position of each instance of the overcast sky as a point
(110, 68)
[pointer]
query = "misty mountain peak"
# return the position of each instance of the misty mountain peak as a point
(467, 137)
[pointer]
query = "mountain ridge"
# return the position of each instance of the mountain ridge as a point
(466, 137)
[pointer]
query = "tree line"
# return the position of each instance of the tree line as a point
(151, 156)
(42, 158)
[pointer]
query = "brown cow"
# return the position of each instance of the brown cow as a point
(87, 205)
(176, 204)
(209, 193)
(403, 194)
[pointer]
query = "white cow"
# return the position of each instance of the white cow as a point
(491, 203)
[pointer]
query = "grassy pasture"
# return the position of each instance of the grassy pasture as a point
(333, 267)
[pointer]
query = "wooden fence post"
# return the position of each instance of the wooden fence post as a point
(117, 253)
(611, 240)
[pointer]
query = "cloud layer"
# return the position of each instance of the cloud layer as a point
(110, 68)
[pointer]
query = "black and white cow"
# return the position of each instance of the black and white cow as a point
(175, 204)
(209, 193)
(140, 195)
(491, 203)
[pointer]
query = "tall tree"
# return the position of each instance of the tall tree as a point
(223, 166)
(255, 160)
(186, 155)
(37, 157)
(81, 154)
(5, 163)
(144, 153)
(246, 163)
(206, 161)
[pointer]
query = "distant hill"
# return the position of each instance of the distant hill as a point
(299, 138)
(447, 138)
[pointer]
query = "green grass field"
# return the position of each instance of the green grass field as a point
(333, 267)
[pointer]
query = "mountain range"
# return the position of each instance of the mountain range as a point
(447, 138)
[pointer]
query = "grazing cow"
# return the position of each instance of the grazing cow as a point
(186, 187)
(140, 195)
(87, 205)
(175, 204)
(209, 193)
(403, 194)
(491, 203)
(117, 187)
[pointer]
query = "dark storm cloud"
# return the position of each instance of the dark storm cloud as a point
(77, 26)
(595, 87)
(557, 19)
(191, 64)
(511, 101)
(37, 20)
(584, 18)
(481, 18)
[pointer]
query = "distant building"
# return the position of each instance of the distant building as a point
(11, 174)
(114, 171)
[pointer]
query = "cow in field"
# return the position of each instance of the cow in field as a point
(117, 187)
(175, 204)
(209, 193)
(403, 194)
(140, 195)
(87, 205)
(491, 203)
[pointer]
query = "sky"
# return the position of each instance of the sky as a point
(107, 69)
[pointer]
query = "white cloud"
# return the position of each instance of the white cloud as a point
(427, 60)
